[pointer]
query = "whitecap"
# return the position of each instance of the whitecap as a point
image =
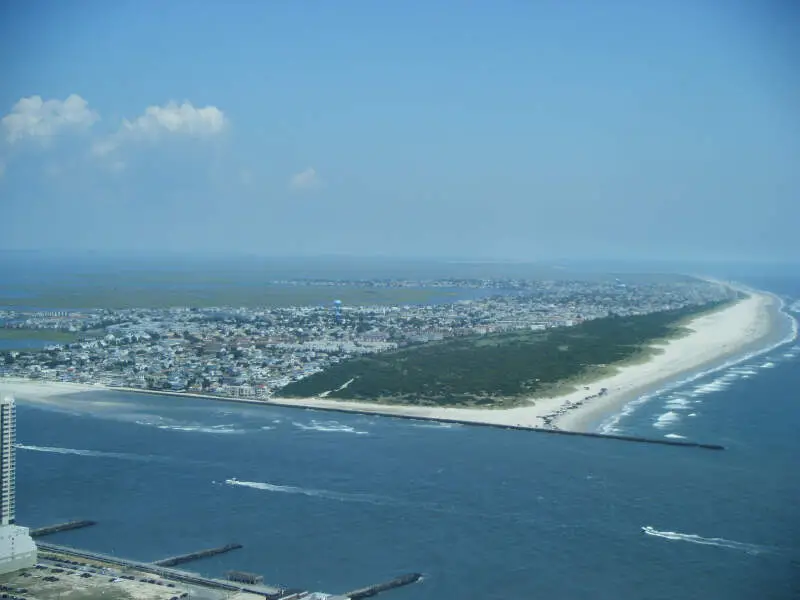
(675, 436)
(678, 404)
(666, 419)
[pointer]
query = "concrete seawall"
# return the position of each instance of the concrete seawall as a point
(184, 558)
(42, 531)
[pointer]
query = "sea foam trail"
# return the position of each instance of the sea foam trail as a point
(94, 453)
(329, 427)
(704, 541)
(326, 494)
(163, 425)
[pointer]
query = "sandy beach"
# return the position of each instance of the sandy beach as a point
(714, 337)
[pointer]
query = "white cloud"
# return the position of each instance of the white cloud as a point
(306, 179)
(171, 118)
(33, 117)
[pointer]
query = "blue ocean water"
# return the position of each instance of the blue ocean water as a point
(331, 502)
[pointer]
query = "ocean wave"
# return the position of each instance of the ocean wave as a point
(719, 384)
(611, 424)
(745, 371)
(94, 453)
(678, 404)
(313, 493)
(665, 420)
(767, 365)
(696, 539)
(328, 427)
(675, 436)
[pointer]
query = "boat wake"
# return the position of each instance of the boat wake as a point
(704, 541)
(326, 494)
(94, 453)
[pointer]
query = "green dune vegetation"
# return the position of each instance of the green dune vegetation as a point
(497, 370)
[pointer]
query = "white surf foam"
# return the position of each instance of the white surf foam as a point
(610, 425)
(291, 489)
(328, 427)
(675, 436)
(225, 429)
(716, 385)
(746, 371)
(162, 424)
(665, 420)
(768, 365)
(696, 539)
(678, 404)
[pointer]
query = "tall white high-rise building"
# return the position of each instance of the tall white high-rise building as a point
(17, 550)
(8, 435)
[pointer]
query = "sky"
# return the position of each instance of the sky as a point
(524, 130)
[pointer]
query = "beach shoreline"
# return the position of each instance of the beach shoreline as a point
(714, 338)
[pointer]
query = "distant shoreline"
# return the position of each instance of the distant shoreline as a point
(747, 326)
